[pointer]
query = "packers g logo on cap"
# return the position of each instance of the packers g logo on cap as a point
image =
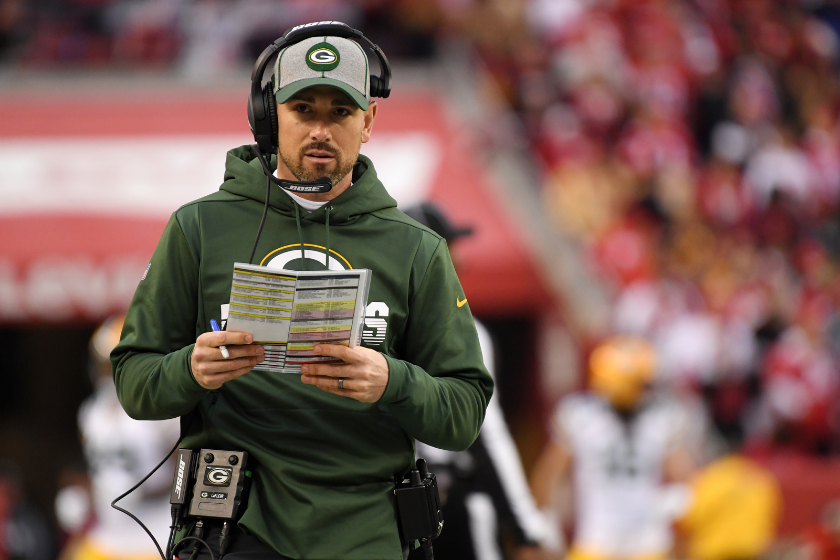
(322, 57)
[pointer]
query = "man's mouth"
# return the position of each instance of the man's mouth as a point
(319, 156)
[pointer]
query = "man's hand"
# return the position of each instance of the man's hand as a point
(365, 372)
(211, 370)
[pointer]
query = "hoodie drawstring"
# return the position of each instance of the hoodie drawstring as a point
(300, 235)
(327, 262)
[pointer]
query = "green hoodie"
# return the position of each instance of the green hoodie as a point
(325, 464)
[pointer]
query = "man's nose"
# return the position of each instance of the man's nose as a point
(320, 132)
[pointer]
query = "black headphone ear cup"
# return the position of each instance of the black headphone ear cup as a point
(251, 121)
(271, 111)
(375, 86)
(266, 137)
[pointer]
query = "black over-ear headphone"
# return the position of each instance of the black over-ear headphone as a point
(262, 110)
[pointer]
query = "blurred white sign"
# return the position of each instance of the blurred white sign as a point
(153, 176)
(405, 163)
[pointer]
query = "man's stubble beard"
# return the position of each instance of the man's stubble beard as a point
(302, 173)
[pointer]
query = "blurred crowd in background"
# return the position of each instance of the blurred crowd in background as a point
(690, 147)
(197, 37)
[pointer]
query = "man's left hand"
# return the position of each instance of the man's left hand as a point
(365, 372)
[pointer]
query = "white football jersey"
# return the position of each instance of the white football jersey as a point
(617, 473)
(120, 451)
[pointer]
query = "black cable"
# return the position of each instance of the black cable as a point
(176, 518)
(198, 533)
(135, 487)
(197, 539)
(267, 195)
(224, 538)
(428, 551)
(265, 213)
(170, 542)
(184, 429)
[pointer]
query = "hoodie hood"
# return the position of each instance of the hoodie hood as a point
(244, 177)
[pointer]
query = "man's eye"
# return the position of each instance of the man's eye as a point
(301, 108)
(342, 112)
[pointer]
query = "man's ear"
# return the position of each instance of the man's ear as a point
(370, 116)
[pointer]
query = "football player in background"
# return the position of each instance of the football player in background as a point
(119, 452)
(624, 448)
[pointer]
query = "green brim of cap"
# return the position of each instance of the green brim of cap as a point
(286, 93)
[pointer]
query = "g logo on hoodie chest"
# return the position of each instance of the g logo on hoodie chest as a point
(285, 257)
(291, 257)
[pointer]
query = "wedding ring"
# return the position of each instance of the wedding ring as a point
(341, 383)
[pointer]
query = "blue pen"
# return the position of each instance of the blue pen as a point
(216, 328)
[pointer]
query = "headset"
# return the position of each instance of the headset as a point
(262, 108)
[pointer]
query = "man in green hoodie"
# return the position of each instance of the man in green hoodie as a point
(327, 444)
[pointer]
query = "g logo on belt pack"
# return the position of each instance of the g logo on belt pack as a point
(322, 57)
(218, 476)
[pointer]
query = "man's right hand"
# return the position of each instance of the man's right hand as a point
(211, 370)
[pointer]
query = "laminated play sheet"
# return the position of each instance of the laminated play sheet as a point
(290, 311)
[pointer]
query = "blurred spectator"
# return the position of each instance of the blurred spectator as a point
(801, 384)
(24, 534)
(822, 541)
(12, 25)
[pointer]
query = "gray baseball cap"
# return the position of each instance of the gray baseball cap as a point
(323, 61)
